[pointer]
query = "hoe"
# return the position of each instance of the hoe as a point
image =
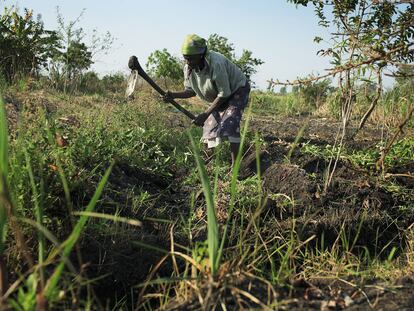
(136, 68)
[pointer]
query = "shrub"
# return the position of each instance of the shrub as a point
(25, 45)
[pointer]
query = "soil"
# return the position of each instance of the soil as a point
(323, 295)
(355, 199)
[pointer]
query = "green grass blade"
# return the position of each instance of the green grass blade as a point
(4, 161)
(297, 139)
(212, 226)
(61, 172)
(258, 167)
(233, 188)
(39, 216)
(3, 139)
(73, 237)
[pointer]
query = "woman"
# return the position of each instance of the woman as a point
(216, 80)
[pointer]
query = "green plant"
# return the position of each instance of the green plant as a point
(161, 64)
(73, 55)
(315, 93)
(26, 295)
(90, 83)
(25, 45)
(396, 101)
(114, 82)
(290, 104)
(246, 62)
(38, 204)
(368, 40)
(4, 163)
(213, 234)
(333, 103)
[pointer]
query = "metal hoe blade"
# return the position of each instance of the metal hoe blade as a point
(132, 81)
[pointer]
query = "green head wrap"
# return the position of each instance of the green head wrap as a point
(193, 45)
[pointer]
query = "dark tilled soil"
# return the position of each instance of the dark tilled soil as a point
(356, 201)
(318, 131)
(354, 197)
(323, 295)
(126, 255)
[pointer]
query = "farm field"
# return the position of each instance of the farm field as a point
(290, 244)
(159, 155)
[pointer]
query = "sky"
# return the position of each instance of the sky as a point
(275, 31)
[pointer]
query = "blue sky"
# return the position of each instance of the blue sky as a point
(274, 30)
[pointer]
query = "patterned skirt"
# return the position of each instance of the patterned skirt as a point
(225, 122)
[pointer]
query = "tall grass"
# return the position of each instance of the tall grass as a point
(279, 104)
(39, 219)
(215, 246)
(234, 178)
(252, 242)
(45, 175)
(48, 289)
(213, 231)
(67, 246)
(4, 162)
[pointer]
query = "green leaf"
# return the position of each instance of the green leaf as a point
(212, 226)
(317, 39)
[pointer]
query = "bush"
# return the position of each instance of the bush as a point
(114, 82)
(333, 104)
(25, 46)
(315, 93)
(90, 83)
(162, 65)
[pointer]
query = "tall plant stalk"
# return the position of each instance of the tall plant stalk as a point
(213, 231)
(3, 194)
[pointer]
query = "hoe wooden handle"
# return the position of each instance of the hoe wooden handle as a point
(133, 64)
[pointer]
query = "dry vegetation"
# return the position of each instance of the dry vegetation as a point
(112, 204)
(292, 240)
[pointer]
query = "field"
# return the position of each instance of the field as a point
(114, 205)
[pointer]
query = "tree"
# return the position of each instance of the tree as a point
(369, 38)
(114, 82)
(77, 57)
(370, 32)
(247, 63)
(161, 64)
(25, 45)
(74, 56)
(222, 45)
(405, 75)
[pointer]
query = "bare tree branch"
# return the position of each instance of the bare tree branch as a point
(347, 66)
